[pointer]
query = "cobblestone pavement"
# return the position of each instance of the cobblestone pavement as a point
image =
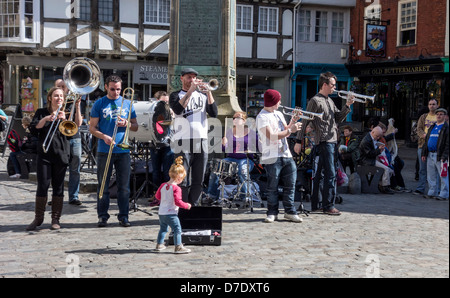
(400, 235)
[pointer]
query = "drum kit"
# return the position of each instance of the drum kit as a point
(240, 197)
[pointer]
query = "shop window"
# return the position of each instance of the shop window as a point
(19, 21)
(29, 89)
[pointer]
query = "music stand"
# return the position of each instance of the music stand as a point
(143, 149)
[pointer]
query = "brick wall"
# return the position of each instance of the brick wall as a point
(430, 35)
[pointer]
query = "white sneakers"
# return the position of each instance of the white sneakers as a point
(289, 217)
(271, 218)
(15, 176)
(179, 249)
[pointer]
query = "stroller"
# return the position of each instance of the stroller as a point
(307, 162)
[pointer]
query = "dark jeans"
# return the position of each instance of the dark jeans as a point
(195, 159)
(47, 173)
(161, 157)
(282, 173)
(324, 182)
(122, 164)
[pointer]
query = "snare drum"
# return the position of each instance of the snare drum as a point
(224, 168)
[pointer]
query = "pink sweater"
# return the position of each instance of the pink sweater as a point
(170, 196)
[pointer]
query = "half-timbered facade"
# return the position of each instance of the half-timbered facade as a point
(131, 38)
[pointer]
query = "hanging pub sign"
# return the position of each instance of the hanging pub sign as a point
(376, 41)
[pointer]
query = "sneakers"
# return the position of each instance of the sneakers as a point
(417, 192)
(293, 217)
(180, 249)
(15, 176)
(289, 217)
(160, 247)
(270, 218)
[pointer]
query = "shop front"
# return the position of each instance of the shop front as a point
(402, 90)
(28, 79)
(251, 83)
(306, 82)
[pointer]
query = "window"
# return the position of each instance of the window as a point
(105, 10)
(157, 12)
(268, 20)
(18, 20)
(304, 25)
(407, 23)
(244, 18)
(321, 26)
(85, 10)
(337, 27)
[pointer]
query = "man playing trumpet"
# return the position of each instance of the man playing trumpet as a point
(107, 112)
(326, 136)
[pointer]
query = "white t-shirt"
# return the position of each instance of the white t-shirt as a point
(273, 148)
(193, 124)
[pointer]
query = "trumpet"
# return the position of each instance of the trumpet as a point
(356, 97)
(298, 112)
(51, 131)
(128, 93)
(212, 85)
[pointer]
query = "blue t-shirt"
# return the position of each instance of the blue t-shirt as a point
(434, 136)
(107, 110)
(3, 114)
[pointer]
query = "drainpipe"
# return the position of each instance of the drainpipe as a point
(294, 48)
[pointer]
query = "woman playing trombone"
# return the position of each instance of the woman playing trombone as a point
(52, 157)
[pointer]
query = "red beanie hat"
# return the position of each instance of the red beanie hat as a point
(271, 97)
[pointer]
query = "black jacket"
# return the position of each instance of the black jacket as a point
(442, 144)
(368, 153)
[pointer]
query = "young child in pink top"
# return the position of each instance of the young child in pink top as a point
(170, 197)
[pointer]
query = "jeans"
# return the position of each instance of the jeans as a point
(172, 221)
(213, 186)
(74, 169)
(122, 164)
(15, 162)
(422, 172)
(282, 173)
(164, 157)
(324, 182)
(434, 177)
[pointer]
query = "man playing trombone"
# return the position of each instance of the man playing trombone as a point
(326, 136)
(109, 123)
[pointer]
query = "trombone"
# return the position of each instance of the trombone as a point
(82, 76)
(356, 97)
(128, 93)
(51, 131)
(111, 147)
(298, 112)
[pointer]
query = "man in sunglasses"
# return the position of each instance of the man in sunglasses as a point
(106, 113)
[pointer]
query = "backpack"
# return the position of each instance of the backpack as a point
(14, 141)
